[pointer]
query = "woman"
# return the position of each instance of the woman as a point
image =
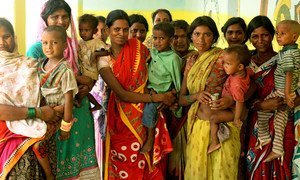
(138, 28)
(260, 32)
(125, 132)
(234, 31)
(177, 126)
(17, 159)
(75, 156)
(160, 15)
(205, 76)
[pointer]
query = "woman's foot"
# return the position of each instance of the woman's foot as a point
(213, 147)
(272, 156)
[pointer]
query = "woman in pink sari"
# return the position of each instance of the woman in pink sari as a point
(125, 73)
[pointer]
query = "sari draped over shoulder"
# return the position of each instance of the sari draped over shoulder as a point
(125, 132)
(222, 163)
(256, 168)
(19, 86)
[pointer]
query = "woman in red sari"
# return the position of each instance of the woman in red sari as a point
(260, 32)
(125, 72)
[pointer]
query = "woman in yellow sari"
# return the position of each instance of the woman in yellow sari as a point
(204, 75)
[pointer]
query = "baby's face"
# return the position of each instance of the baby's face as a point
(86, 31)
(285, 35)
(231, 63)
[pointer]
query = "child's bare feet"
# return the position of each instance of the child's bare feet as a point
(213, 147)
(272, 156)
(148, 145)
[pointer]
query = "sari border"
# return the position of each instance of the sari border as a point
(17, 154)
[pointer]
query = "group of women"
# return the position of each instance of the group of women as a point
(124, 71)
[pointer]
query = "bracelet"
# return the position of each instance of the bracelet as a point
(188, 99)
(66, 126)
(151, 98)
(39, 113)
(31, 114)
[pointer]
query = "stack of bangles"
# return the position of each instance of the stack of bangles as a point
(66, 126)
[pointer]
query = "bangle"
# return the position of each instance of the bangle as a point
(66, 126)
(188, 99)
(39, 113)
(31, 114)
(151, 98)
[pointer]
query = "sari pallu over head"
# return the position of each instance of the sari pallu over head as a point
(125, 132)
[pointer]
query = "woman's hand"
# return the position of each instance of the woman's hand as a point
(169, 97)
(204, 97)
(222, 103)
(50, 115)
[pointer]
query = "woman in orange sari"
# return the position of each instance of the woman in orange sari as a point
(125, 72)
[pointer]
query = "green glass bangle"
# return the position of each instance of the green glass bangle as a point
(31, 113)
(188, 99)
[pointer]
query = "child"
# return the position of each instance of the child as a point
(286, 78)
(57, 80)
(87, 28)
(102, 33)
(164, 75)
(235, 58)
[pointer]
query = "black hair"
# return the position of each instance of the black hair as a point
(181, 24)
(52, 6)
(161, 10)
(232, 21)
(137, 18)
(242, 52)
(204, 21)
(58, 29)
(101, 19)
(165, 27)
(5, 23)
(116, 15)
(260, 21)
(88, 18)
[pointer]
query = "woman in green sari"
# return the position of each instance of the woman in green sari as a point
(76, 156)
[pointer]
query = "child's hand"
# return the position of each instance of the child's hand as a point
(290, 100)
(63, 135)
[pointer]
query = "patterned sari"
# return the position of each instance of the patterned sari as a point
(125, 132)
(17, 74)
(256, 168)
(223, 163)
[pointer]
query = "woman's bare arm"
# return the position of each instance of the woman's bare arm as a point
(127, 96)
(10, 113)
